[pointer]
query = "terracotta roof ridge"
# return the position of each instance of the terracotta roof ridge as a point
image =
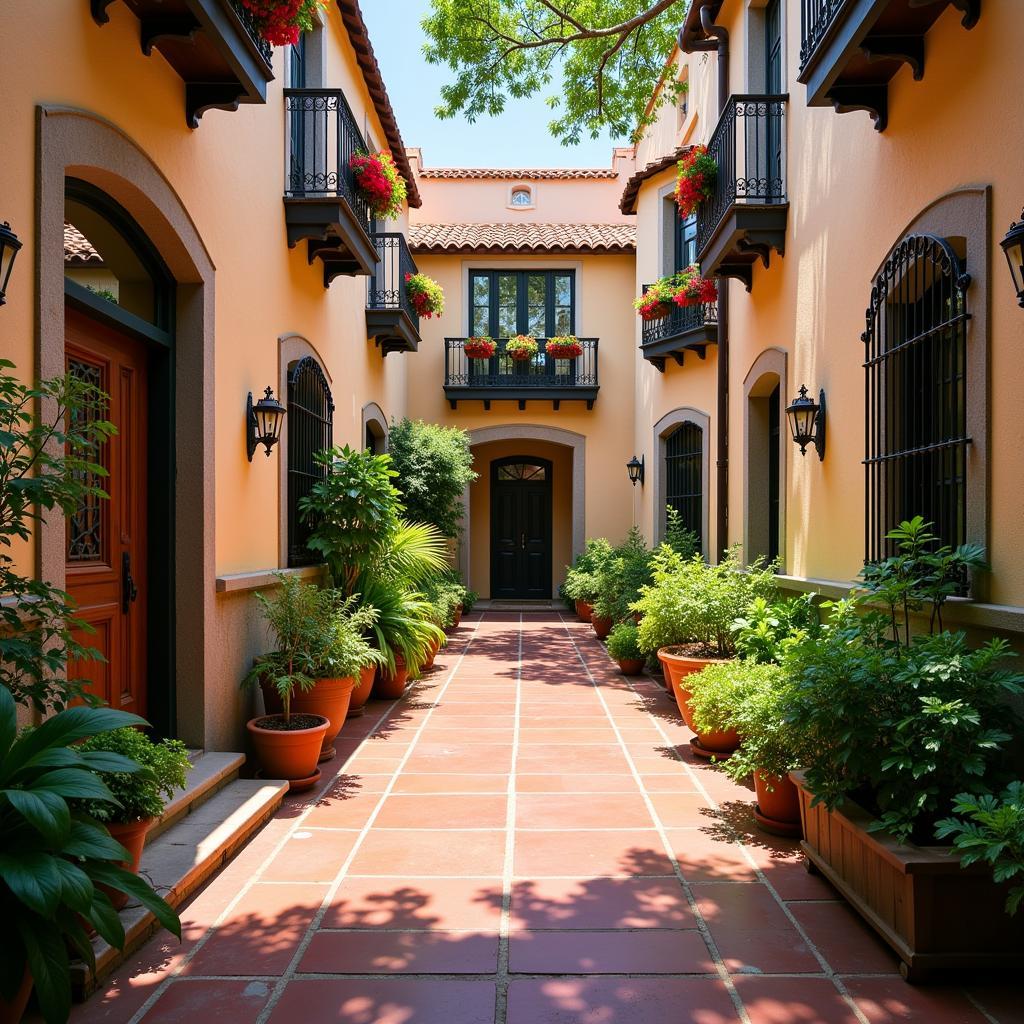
(627, 204)
(522, 236)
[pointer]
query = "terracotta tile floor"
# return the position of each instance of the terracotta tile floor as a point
(524, 839)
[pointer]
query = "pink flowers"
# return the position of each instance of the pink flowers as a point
(696, 180)
(281, 22)
(379, 183)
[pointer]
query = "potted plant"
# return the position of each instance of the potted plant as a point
(619, 578)
(624, 647)
(716, 694)
(379, 183)
(521, 347)
(695, 180)
(425, 294)
(688, 610)
(656, 301)
(580, 585)
(55, 857)
(869, 810)
(480, 347)
(140, 794)
(281, 22)
(564, 347)
(694, 290)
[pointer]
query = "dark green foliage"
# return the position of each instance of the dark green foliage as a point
(769, 628)
(618, 579)
(46, 463)
(434, 466)
(581, 580)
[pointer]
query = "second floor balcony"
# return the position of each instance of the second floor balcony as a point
(390, 318)
(685, 329)
(745, 218)
(322, 204)
(502, 378)
(851, 49)
(211, 44)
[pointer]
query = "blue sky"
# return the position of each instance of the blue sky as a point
(519, 138)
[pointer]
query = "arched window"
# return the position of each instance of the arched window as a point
(310, 430)
(915, 393)
(684, 472)
(521, 195)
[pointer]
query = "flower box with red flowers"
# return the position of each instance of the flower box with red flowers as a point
(695, 182)
(425, 294)
(479, 348)
(521, 347)
(281, 22)
(695, 290)
(379, 183)
(564, 347)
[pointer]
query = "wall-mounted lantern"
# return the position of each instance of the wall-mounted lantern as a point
(9, 246)
(263, 422)
(635, 468)
(1013, 246)
(807, 421)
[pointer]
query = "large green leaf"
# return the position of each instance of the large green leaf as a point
(44, 811)
(33, 879)
(48, 962)
(8, 721)
(76, 887)
(124, 881)
(90, 840)
(105, 920)
(77, 783)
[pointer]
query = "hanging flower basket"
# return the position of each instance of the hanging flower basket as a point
(564, 347)
(480, 348)
(696, 180)
(281, 22)
(521, 347)
(379, 183)
(425, 294)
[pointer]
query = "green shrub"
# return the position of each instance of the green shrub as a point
(141, 794)
(691, 602)
(769, 628)
(718, 692)
(680, 539)
(624, 642)
(619, 578)
(445, 592)
(581, 581)
(434, 466)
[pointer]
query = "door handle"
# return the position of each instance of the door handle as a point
(129, 592)
(522, 541)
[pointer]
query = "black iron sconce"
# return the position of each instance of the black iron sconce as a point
(1013, 246)
(807, 421)
(9, 246)
(635, 468)
(263, 422)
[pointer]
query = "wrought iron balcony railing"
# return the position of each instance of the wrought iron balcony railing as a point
(748, 145)
(322, 137)
(391, 318)
(817, 17)
(681, 321)
(502, 377)
(266, 51)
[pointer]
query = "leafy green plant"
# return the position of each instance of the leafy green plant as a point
(54, 855)
(619, 578)
(678, 536)
(624, 642)
(581, 580)
(993, 833)
(434, 466)
(718, 692)
(446, 593)
(404, 624)
(691, 602)
(45, 464)
(769, 628)
(139, 794)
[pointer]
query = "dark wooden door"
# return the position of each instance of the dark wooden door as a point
(106, 539)
(521, 528)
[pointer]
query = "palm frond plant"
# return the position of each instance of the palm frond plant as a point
(404, 625)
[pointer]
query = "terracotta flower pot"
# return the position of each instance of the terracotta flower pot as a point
(132, 836)
(289, 754)
(329, 698)
(778, 808)
(716, 743)
(391, 685)
(679, 665)
(435, 646)
(12, 1012)
(602, 625)
(631, 666)
(361, 692)
(458, 617)
(584, 611)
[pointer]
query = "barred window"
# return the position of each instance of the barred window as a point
(915, 394)
(684, 467)
(310, 425)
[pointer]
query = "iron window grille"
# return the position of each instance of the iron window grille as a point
(310, 424)
(916, 439)
(684, 471)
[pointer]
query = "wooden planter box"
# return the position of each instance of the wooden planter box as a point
(932, 912)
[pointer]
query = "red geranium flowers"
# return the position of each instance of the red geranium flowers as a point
(696, 180)
(281, 22)
(379, 183)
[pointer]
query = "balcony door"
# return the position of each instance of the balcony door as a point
(521, 528)
(773, 87)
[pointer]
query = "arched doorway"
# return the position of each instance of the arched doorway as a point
(764, 458)
(521, 527)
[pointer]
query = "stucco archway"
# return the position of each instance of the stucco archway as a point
(533, 432)
(662, 430)
(375, 424)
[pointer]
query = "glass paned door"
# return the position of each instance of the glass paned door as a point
(773, 87)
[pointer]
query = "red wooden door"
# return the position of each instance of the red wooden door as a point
(106, 538)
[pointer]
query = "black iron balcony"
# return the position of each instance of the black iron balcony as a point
(212, 44)
(322, 203)
(502, 378)
(391, 319)
(685, 329)
(745, 218)
(851, 49)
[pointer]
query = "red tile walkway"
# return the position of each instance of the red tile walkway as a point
(524, 839)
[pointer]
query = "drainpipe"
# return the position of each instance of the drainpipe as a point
(717, 39)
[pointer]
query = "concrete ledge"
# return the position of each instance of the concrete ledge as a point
(260, 579)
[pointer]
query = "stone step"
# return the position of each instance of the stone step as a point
(178, 862)
(210, 773)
